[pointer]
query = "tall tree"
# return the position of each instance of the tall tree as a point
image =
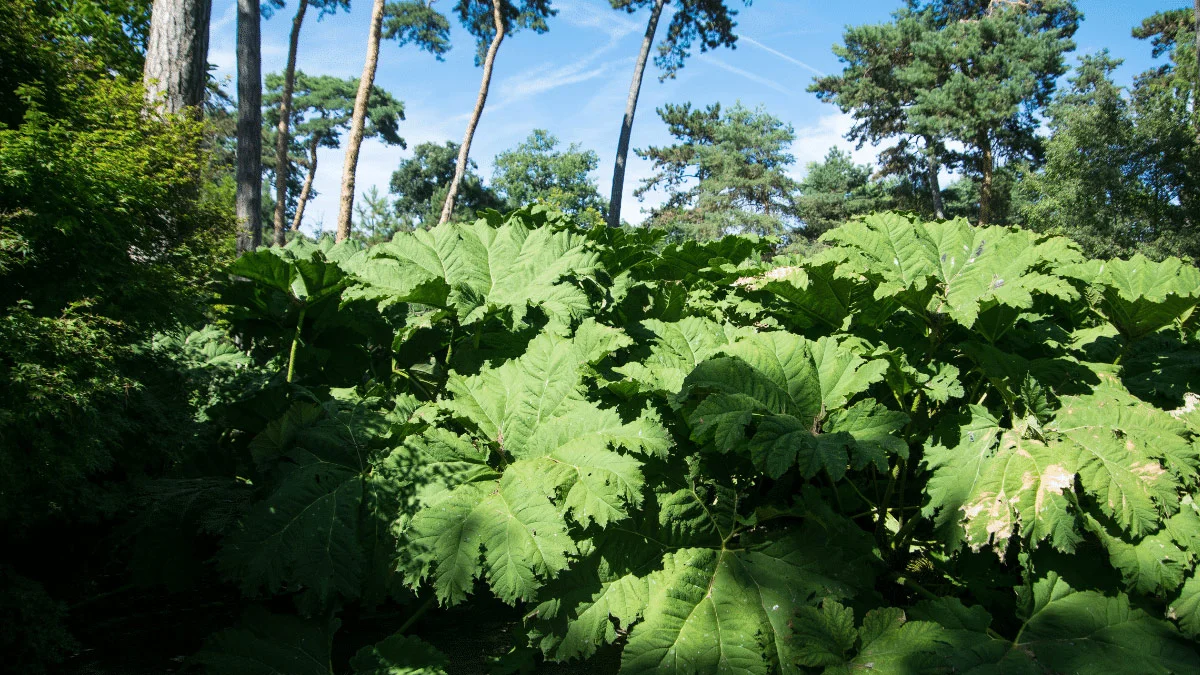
(249, 125)
(708, 21)
(993, 66)
(489, 21)
(176, 68)
(836, 189)
(871, 90)
(409, 21)
(376, 217)
(1090, 186)
(973, 71)
(728, 173)
(421, 182)
(322, 109)
(537, 171)
(283, 136)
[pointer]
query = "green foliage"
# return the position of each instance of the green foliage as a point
(421, 182)
(727, 175)
(375, 218)
(708, 22)
(476, 17)
(54, 46)
(972, 72)
(105, 240)
(714, 464)
(1120, 164)
(835, 190)
(98, 201)
(535, 171)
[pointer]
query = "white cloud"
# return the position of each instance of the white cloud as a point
(545, 78)
(615, 24)
(225, 20)
(814, 141)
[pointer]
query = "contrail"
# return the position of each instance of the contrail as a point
(748, 75)
(780, 54)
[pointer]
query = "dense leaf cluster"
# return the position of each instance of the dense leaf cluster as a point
(931, 447)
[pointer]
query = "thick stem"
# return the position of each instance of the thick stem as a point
(985, 189)
(881, 521)
(249, 126)
(308, 181)
(464, 150)
(282, 137)
(635, 88)
(291, 371)
(358, 121)
(417, 614)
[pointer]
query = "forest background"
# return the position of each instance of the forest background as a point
(173, 402)
(573, 80)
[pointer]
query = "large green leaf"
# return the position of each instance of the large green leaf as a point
(1021, 487)
(956, 456)
(271, 644)
(885, 643)
(953, 268)
(1117, 448)
(471, 269)
(1071, 631)
(399, 655)
(511, 522)
(326, 513)
(677, 349)
(795, 391)
(1139, 296)
(728, 611)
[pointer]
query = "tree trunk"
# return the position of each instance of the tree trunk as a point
(308, 181)
(985, 189)
(635, 88)
(249, 126)
(1196, 93)
(358, 121)
(935, 188)
(282, 137)
(176, 69)
(464, 150)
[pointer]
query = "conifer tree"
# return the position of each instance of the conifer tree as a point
(283, 135)
(490, 21)
(726, 175)
(408, 21)
(322, 108)
(708, 22)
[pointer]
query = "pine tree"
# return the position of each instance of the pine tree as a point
(711, 23)
(489, 21)
(410, 21)
(727, 174)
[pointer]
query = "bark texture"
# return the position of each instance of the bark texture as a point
(1196, 93)
(935, 187)
(465, 149)
(308, 181)
(635, 88)
(177, 55)
(249, 126)
(282, 135)
(358, 121)
(985, 188)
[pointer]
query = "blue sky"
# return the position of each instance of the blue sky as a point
(574, 79)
